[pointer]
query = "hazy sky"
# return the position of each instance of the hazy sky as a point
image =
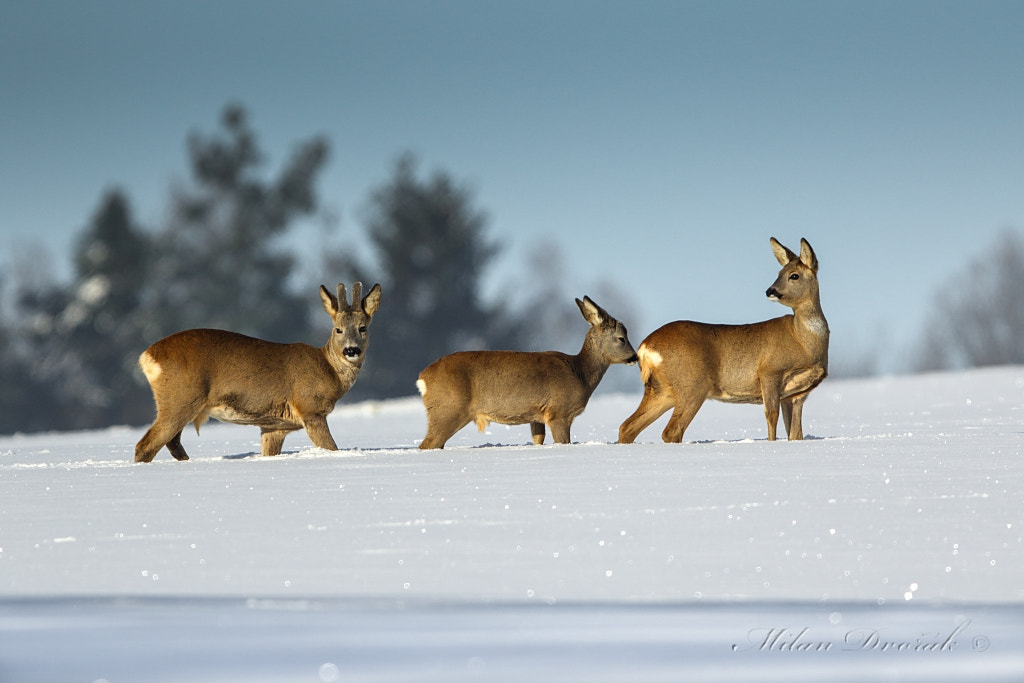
(658, 144)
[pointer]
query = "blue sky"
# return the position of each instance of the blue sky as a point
(658, 144)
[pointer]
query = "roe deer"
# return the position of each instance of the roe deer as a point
(196, 374)
(516, 387)
(776, 362)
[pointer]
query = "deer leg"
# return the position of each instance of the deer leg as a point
(559, 430)
(166, 428)
(176, 449)
(271, 441)
(792, 415)
(442, 426)
(319, 434)
(770, 396)
(537, 431)
(682, 416)
(652, 406)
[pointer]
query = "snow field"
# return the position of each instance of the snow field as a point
(907, 499)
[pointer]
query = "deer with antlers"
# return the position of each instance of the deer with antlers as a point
(203, 373)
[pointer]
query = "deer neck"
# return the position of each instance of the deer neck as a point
(344, 369)
(809, 323)
(589, 365)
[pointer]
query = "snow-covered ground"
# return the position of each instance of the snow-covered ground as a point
(890, 542)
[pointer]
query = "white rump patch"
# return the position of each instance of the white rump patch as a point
(422, 386)
(150, 368)
(648, 356)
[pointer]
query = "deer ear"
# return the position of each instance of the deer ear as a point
(330, 301)
(782, 254)
(807, 256)
(371, 302)
(592, 313)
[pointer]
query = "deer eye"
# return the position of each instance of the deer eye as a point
(362, 329)
(338, 330)
(794, 276)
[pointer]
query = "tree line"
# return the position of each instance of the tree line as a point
(68, 351)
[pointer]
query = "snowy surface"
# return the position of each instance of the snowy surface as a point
(727, 557)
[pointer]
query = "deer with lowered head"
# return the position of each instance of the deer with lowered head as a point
(776, 362)
(518, 387)
(197, 374)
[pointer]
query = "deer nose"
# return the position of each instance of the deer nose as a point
(773, 293)
(352, 351)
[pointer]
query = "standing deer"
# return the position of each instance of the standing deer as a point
(776, 362)
(516, 387)
(197, 374)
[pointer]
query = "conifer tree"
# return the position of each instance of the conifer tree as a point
(432, 250)
(220, 262)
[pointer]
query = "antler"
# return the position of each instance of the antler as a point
(357, 293)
